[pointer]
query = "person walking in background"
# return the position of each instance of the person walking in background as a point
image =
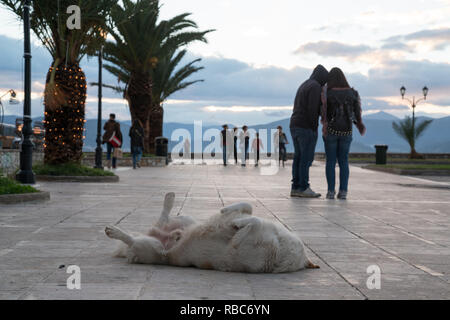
(137, 143)
(224, 141)
(113, 139)
(341, 108)
(244, 140)
(235, 139)
(282, 142)
(256, 146)
(303, 125)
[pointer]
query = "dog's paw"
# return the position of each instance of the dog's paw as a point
(132, 259)
(112, 232)
(170, 196)
(238, 207)
(169, 199)
(176, 235)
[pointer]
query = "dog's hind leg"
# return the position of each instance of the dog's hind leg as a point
(238, 207)
(118, 234)
(169, 200)
(243, 227)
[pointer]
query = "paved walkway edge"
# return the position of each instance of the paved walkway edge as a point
(409, 172)
(87, 179)
(24, 197)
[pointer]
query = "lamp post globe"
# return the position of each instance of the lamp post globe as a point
(403, 91)
(425, 92)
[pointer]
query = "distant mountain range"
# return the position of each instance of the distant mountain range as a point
(379, 131)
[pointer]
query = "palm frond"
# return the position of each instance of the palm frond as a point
(147, 46)
(410, 131)
(117, 89)
(420, 129)
(48, 22)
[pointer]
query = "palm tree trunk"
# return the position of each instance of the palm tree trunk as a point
(156, 119)
(415, 155)
(65, 97)
(139, 96)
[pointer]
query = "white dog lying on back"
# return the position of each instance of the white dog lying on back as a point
(233, 240)
(161, 236)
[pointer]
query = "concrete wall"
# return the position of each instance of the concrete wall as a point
(321, 155)
(10, 160)
(128, 162)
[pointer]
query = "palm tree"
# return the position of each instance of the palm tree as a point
(65, 87)
(141, 47)
(408, 130)
(167, 80)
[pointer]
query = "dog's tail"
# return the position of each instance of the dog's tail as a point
(238, 207)
(169, 201)
(310, 265)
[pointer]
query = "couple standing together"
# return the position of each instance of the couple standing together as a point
(329, 96)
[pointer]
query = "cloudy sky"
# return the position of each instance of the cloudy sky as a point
(262, 50)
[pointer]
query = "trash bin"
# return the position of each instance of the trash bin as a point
(162, 147)
(381, 154)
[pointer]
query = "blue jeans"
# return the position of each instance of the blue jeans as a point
(137, 155)
(224, 150)
(337, 149)
(109, 150)
(305, 141)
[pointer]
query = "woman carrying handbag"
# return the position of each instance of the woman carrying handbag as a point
(113, 139)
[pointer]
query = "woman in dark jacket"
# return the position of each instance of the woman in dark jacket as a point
(137, 142)
(341, 108)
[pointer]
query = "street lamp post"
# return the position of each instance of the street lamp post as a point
(414, 103)
(99, 150)
(12, 100)
(26, 175)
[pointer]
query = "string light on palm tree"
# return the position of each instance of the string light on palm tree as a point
(65, 85)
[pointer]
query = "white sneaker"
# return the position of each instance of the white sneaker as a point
(308, 193)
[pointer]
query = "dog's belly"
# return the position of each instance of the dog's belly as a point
(202, 253)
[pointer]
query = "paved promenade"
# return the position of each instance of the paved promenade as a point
(400, 224)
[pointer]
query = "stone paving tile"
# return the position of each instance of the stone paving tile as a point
(90, 291)
(390, 221)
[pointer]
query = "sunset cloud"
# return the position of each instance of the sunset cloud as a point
(334, 49)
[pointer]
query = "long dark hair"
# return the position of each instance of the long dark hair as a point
(136, 124)
(337, 79)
